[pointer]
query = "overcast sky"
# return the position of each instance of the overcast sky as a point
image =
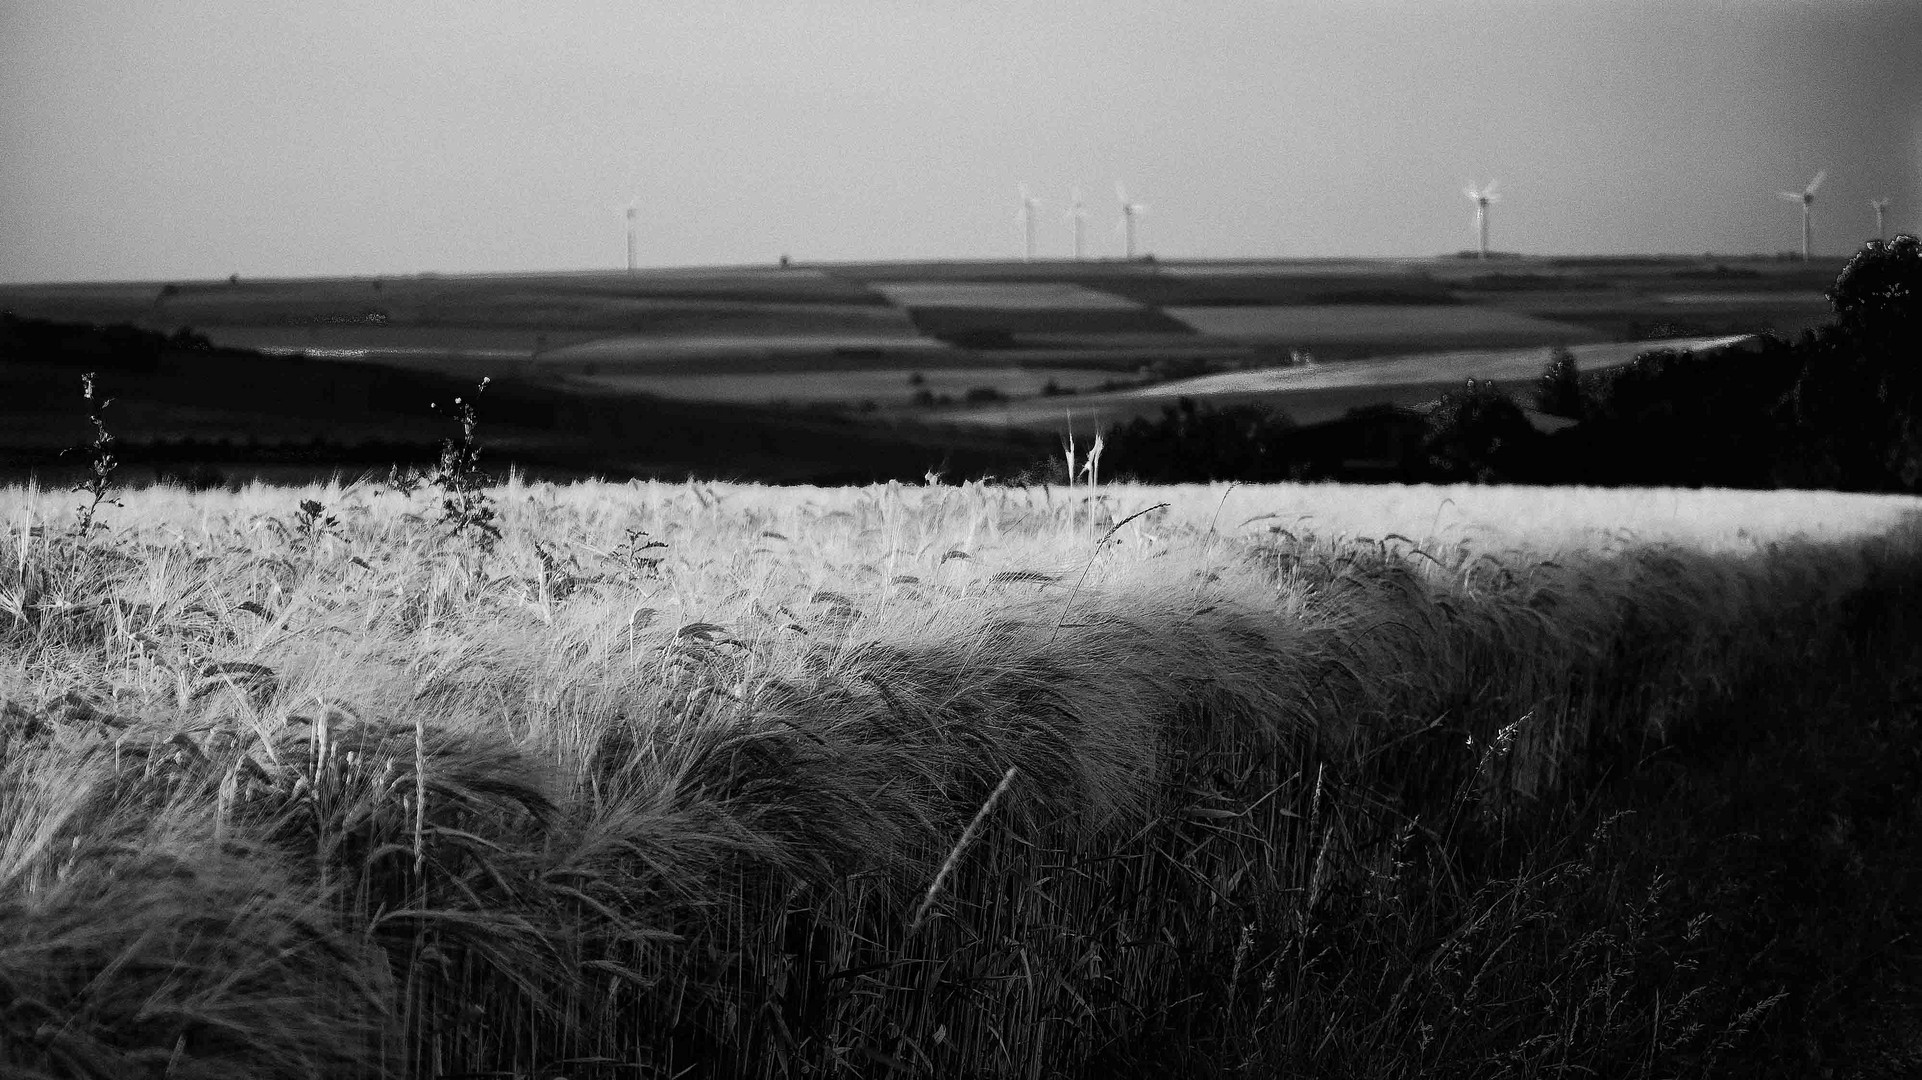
(144, 139)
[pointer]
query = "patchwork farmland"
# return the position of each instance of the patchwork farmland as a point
(1130, 320)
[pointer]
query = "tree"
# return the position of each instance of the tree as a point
(1858, 403)
(1559, 390)
(1879, 292)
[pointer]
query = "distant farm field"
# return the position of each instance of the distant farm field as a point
(1001, 295)
(1316, 392)
(1498, 365)
(886, 388)
(848, 334)
(644, 350)
(1319, 324)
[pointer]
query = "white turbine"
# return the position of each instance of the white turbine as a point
(1079, 215)
(1029, 205)
(1129, 212)
(1483, 196)
(1879, 206)
(1806, 197)
(630, 210)
(630, 238)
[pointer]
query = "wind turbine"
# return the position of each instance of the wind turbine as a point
(630, 210)
(1806, 197)
(1079, 215)
(1029, 204)
(1129, 211)
(1483, 196)
(1879, 205)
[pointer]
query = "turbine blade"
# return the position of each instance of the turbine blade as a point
(1792, 196)
(1817, 182)
(1472, 193)
(1120, 193)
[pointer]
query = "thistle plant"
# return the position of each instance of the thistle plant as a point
(98, 486)
(311, 522)
(640, 553)
(465, 505)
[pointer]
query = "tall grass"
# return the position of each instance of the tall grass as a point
(692, 780)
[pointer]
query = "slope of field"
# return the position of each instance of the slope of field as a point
(882, 383)
(1630, 298)
(217, 407)
(721, 351)
(1379, 325)
(1500, 365)
(301, 782)
(1317, 392)
(1001, 295)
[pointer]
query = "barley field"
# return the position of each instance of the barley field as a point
(648, 779)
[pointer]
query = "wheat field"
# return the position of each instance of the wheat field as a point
(689, 779)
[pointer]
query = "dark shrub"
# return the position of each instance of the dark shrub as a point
(1559, 390)
(1479, 434)
(1193, 442)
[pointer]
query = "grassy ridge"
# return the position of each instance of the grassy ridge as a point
(946, 780)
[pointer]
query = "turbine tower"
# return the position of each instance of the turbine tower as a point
(1079, 215)
(630, 237)
(1483, 196)
(1129, 212)
(1029, 205)
(1806, 197)
(1879, 206)
(631, 210)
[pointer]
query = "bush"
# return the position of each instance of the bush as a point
(1559, 390)
(1194, 442)
(1478, 434)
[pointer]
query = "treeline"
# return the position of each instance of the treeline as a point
(1838, 407)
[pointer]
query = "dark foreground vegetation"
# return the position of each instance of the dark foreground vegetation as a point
(1838, 407)
(1743, 902)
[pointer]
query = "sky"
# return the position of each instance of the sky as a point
(164, 139)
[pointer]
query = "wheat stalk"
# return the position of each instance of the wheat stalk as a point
(954, 855)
